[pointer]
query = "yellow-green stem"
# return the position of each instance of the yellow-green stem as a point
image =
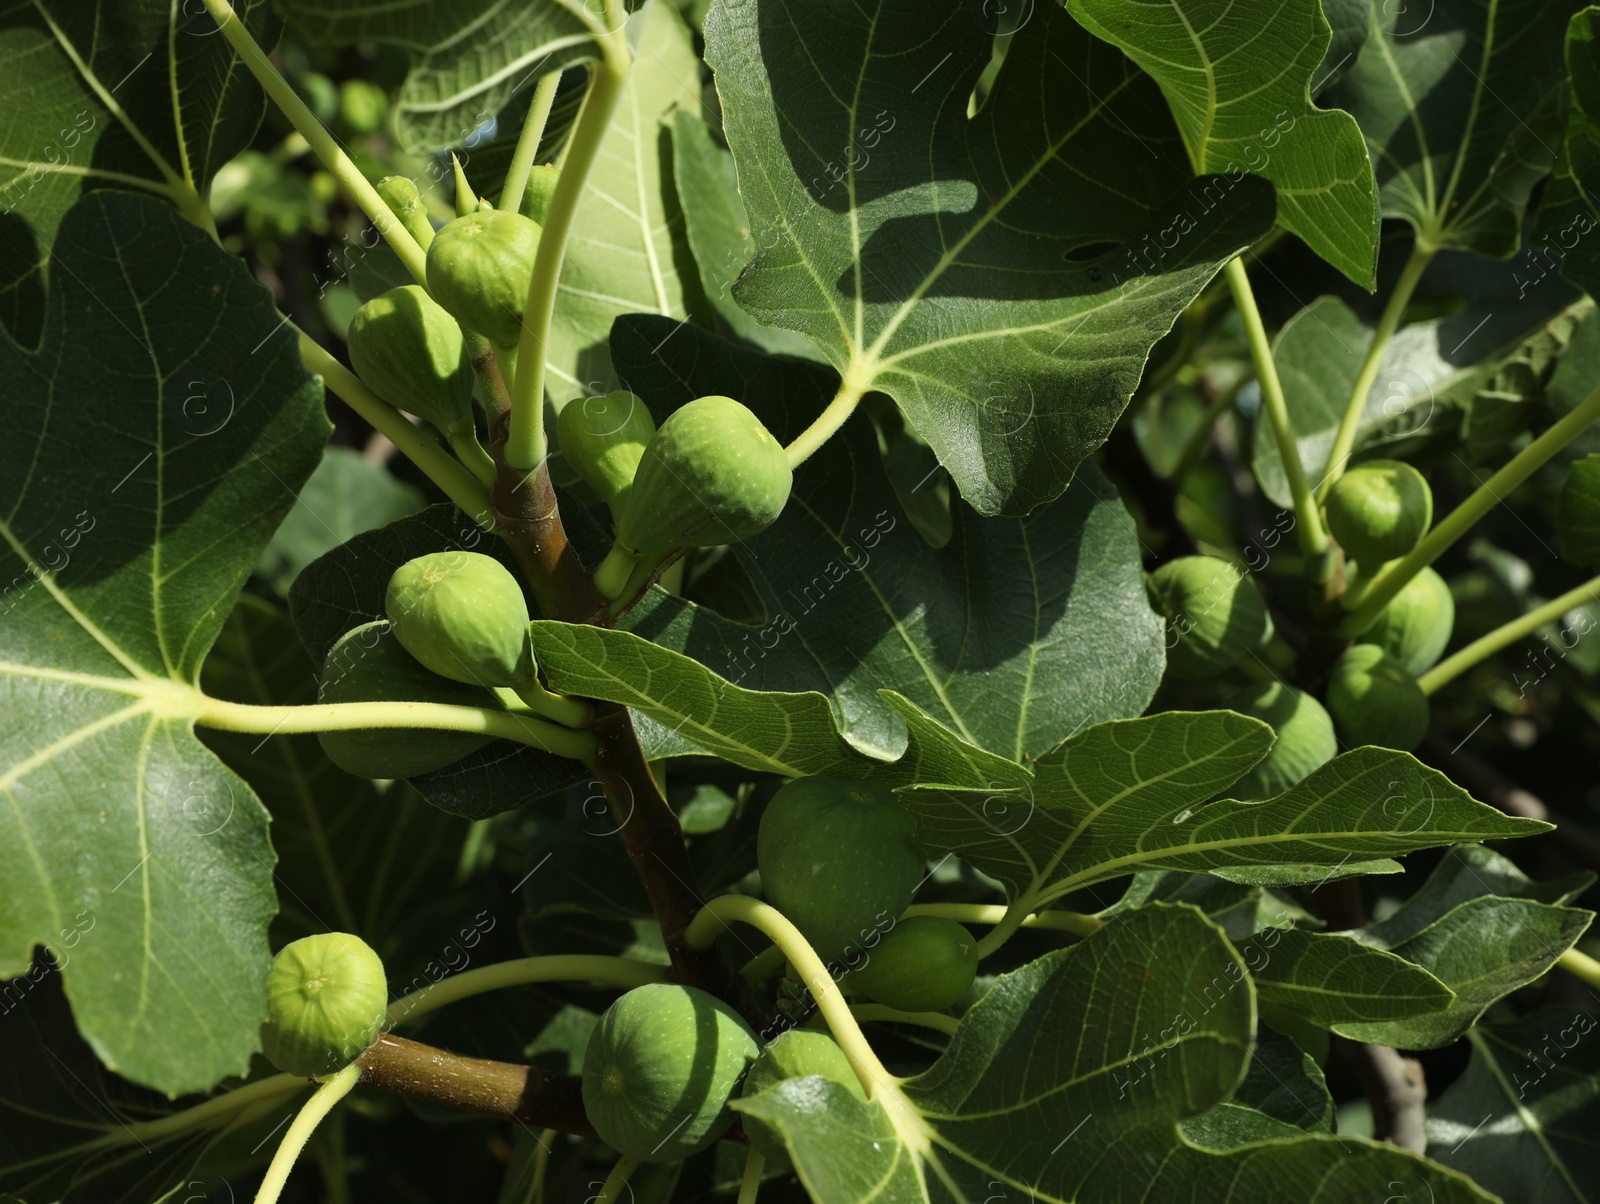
(525, 445)
(750, 1181)
(827, 423)
(319, 139)
(717, 914)
(616, 1180)
(1507, 633)
(558, 708)
(1308, 519)
(1582, 966)
(459, 485)
(934, 1020)
(523, 971)
(355, 716)
(1460, 520)
(1388, 322)
(316, 1108)
(474, 458)
(544, 95)
(993, 913)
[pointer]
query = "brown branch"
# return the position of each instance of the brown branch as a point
(505, 1089)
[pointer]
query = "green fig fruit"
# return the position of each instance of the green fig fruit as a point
(1305, 738)
(326, 999)
(1379, 510)
(362, 106)
(839, 857)
(922, 964)
(1374, 701)
(463, 615)
(604, 438)
(659, 1070)
(1214, 615)
(367, 664)
(479, 267)
(406, 203)
(411, 353)
(1415, 627)
(798, 1053)
(541, 187)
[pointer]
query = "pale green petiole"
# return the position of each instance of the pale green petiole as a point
(544, 95)
(315, 1111)
(1486, 646)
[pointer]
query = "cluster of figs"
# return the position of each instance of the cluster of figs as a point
(838, 857)
(1377, 511)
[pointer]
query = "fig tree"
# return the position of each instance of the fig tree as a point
(410, 351)
(1415, 627)
(1304, 738)
(1374, 701)
(798, 1053)
(603, 438)
(462, 614)
(1214, 615)
(368, 664)
(326, 999)
(406, 203)
(479, 266)
(923, 964)
(1379, 510)
(839, 857)
(659, 1070)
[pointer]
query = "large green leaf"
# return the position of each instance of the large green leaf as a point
(138, 94)
(1457, 106)
(1334, 979)
(1160, 1014)
(1570, 209)
(1238, 77)
(1131, 796)
(1282, 1094)
(139, 485)
(1014, 634)
(1578, 521)
(1523, 1119)
(973, 269)
(628, 252)
(468, 59)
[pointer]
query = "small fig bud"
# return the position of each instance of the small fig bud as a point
(659, 1070)
(406, 203)
(1304, 738)
(1214, 615)
(1374, 701)
(604, 438)
(362, 106)
(1415, 627)
(541, 187)
(922, 964)
(462, 614)
(798, 1053)
(479, 267)
(1379, 510)
(326, 999)
(367, 664)
(411, 353)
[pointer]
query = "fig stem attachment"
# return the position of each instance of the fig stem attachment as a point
(524, 971)
(1308, 519)
(526, 446)
(557, 708)
(639, 579)
(459, 485)
(804, 445)
(750, 1181)
(544, 96)
(1486, 646)
(351, 716)
(611, 578)
(1581, 966)
(1477, 504)
(937, 1021)
(1388, 323)
(316, 1109)
(716, 915)
(616, 1180)
(320, 140)
(464, 442)
(1074, 922)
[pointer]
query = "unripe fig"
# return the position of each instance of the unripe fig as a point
(1415, 627)
(479, 267)
(462, 614)
(922, 964)
(541, 187)
(362, 106)
(839, 857)
(326, 999)
(1214, 615)
(659, 1070)
(798, 1053)
(368, 664)
(1305, 739)
(603, 438)
(1379, 510)
(1374, 701)
(410, 351)
(406, 203)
